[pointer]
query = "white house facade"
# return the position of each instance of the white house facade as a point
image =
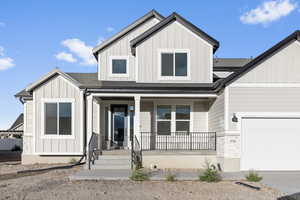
(160, 92)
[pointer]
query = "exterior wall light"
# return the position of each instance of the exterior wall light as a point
(234, 118)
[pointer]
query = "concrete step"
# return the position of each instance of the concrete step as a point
(112, 157)
(112, 162)
(110, 167)
(107, 162)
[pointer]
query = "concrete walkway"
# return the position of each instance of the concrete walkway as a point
(121, 174)
(288, 182)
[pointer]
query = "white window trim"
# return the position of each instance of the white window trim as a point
(173, 115)
(111, 58)
(160, 77)
(59, 100)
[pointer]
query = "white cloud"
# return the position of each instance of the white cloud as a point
(6, 63)
(81, 50)
(1, 51)
(269, 11)
(65, 57)
(110, 29)
(2, 24)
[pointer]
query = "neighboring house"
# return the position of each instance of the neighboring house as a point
(159, 85)
(11, 139)
(15, 130)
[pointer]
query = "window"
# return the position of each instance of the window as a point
(58, 118)
(183, 118)
(173, 118)
(119, 65)
(174, 64)
(164, 120)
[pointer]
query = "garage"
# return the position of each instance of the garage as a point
(270, 143)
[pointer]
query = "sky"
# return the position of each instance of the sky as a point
(38, 36)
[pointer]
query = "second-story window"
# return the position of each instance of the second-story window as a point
(119, 65)
(174, 64)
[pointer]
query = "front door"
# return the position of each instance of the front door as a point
(119, 125)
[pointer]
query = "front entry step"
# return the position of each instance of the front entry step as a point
(110, 162)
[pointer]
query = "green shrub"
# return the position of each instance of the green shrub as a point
(139, 175)
(252, 176)
(170, 176)
(73, 161)
(210, 174)
(16, 148)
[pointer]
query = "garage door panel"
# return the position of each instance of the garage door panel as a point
(270, 144)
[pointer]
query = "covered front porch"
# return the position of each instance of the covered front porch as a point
(150, 124)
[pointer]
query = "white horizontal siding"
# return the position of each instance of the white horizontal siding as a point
(216, 114)
(262, 99)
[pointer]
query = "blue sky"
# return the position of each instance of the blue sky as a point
(37, 36)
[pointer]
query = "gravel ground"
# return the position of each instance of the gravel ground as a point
(13, 167)
(56, 185)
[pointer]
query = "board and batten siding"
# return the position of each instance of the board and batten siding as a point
(199, 115)
(281, 67)
(262, 99)
(58, 88)
(28, 127)
(121, 48)
(175, 36)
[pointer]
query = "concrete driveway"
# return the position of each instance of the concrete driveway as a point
(288, 182)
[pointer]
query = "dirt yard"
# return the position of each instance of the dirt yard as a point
(55, 185)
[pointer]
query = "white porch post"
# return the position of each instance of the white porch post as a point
(137, 126)
(89, 118)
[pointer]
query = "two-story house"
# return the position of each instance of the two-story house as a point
(160, 92)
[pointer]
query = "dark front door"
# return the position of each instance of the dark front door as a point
(119, 125)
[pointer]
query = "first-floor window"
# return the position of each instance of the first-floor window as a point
(58, 118)
(173, 118)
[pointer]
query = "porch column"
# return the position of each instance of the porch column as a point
(137, 126)
(89, 120)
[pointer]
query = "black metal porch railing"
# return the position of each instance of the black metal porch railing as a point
(178, 141)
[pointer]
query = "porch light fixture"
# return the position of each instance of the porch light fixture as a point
(234, 118)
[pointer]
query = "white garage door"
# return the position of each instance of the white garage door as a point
(270, 144)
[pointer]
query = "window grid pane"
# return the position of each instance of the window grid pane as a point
(183, 112)
(180, 64)
(51, 119)
(167, 64)
(164, 127)
(65, 118)
(183, 126)
(164, 112)
(119, 66)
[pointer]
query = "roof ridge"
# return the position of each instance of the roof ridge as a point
(174, 16)
(126, 30)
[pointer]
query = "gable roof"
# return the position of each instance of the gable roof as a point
(261, 58)
(51, 74)
(126, 30)
(18, 122)
(173, 17)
